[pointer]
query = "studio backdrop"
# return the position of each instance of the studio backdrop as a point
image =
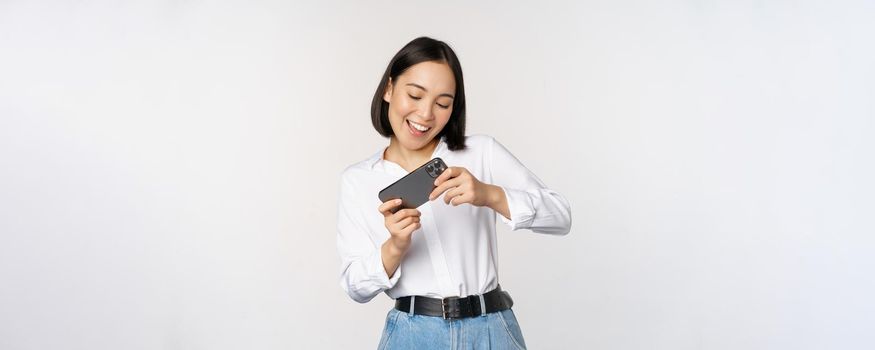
(169, 170)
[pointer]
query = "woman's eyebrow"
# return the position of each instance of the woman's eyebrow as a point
(424, 89)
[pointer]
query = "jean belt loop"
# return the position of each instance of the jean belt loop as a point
(412, 303)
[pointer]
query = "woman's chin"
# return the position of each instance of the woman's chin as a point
(415, 143)
(418, 143)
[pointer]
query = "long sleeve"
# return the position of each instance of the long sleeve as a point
(531, 204)
(362, 275)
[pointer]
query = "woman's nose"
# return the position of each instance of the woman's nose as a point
(426, 111)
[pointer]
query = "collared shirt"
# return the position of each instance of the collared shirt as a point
(454, 252)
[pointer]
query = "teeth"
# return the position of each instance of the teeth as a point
(418, 127)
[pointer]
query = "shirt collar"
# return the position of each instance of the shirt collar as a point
(377, 158)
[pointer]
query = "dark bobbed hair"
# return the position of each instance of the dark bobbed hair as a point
(423, 49)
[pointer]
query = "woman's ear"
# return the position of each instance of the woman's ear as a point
(387, 95)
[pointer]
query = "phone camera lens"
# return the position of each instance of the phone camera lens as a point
(429, 168)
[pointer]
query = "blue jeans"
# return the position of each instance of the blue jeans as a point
(497, 330)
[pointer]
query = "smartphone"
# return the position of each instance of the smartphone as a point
(414, 188)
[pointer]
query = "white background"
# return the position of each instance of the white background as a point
(169, 169)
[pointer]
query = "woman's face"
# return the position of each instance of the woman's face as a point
(420, 103)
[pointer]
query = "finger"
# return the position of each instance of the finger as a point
(452, 193)
(387, 206)
(403, 213)
(449, 184)
(461, 199)
(448, 178)
(449, 173)
(410, 228)
(405, 222)
(443, 187)
(460, 173)
(443, 176)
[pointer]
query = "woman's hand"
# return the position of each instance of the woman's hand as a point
(401, 224)
(462, 187)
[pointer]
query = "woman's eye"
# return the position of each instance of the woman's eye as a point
(444, 107)
(414, 97)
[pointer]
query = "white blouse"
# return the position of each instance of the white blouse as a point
(454, 252)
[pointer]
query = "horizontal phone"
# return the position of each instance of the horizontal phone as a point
(414, 188)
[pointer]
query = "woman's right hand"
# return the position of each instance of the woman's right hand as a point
(400, 224)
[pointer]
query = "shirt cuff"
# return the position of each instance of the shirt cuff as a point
(521, 208)
(381, 277)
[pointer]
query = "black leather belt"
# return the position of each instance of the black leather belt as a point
(457, 307)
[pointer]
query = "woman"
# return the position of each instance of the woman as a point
(439, 261)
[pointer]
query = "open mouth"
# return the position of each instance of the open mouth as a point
(417, 129)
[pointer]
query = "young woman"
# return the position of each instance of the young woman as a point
(439, 262)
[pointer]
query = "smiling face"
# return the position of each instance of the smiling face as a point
(420, 103)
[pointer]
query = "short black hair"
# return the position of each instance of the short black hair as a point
(423, 49)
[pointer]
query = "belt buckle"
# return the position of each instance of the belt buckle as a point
(444, 311)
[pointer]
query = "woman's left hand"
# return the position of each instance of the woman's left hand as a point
(462, 187)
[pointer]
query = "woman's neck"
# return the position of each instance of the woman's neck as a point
(409, 159)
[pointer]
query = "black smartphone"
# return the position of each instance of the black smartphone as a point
(414, 188)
